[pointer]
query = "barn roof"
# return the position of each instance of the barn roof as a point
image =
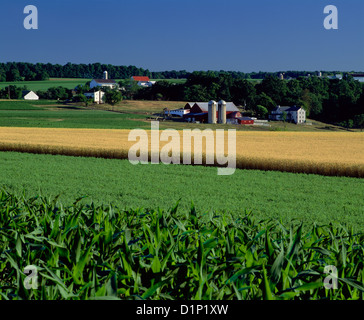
(25, 92)
(139, 78)
(287, 109)
(230, 106)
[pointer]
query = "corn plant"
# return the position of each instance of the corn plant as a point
(86, 252)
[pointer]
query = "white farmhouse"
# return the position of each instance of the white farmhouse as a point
(104, 83)
(30, 95)
(294, 114)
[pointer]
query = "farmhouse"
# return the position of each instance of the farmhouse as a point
(104, 83)
(294, 114)
(142, 81)
(29, 95)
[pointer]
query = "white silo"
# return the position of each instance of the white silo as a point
(222, 112)
(106, 75)
(212, 111)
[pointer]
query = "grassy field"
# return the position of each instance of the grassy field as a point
(44, 85)
(277, 195)
(49, 114)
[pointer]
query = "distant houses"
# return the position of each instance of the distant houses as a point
(293, 114)
(105, 83)
(358, 76)
(29, 95)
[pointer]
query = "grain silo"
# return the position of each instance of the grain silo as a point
(222, 112)
(212, 112)
(106, 76)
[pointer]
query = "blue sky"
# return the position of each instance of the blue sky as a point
(159, 35)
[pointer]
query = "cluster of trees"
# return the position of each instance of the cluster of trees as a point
(13, 92)
(22, 71)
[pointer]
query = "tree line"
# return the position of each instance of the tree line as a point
(23, 71)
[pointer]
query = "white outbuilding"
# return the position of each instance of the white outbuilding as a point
(30, 95)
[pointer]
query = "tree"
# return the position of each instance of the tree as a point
(359, 121)
(261, 112)
(284, 118)
(82, 98)
(266, 101)
(13, 75)
(275, 88)
(113, 96)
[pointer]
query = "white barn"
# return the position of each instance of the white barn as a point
(104, 83)
(30, 95)
(294, 114)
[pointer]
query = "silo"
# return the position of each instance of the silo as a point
(212, 112)
(222, 112)
(106, 76)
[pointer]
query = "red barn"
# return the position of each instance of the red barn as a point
(245, 120)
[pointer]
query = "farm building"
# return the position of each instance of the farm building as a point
(189, 105)
(142, 81)
(97, 96)
(199, 112)
(294, 114)
(177, 112)
(29, 95)
(199, 107)
(104, 83)
(245, 120)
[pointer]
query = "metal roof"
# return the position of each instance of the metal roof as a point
(230, 106)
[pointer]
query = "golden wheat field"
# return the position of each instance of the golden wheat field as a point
(330, 153)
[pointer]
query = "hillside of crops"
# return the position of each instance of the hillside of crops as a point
(50, 114)
(333, 154)
(82, 252)
(269, 194)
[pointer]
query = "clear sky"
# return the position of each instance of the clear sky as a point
(159, 35)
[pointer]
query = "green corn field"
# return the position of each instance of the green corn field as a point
(84, 252)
